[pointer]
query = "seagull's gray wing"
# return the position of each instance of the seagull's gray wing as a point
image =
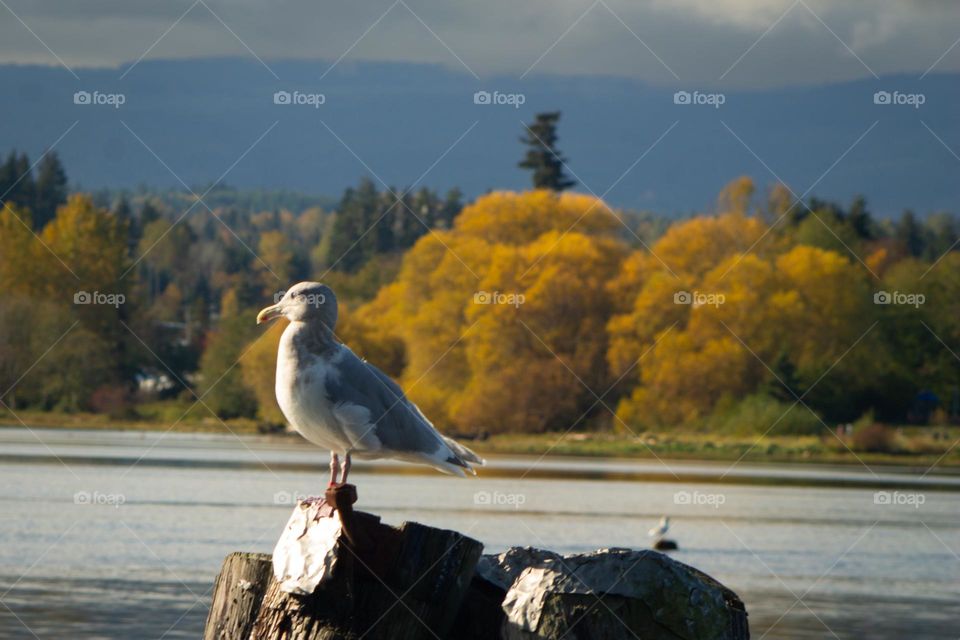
(380, 420)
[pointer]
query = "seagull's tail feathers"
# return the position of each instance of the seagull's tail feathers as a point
(451, 468)
(465, 454)
(453, 459)
(445, 461)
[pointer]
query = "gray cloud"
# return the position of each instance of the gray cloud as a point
(697, 40)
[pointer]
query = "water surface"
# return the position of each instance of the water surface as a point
(120, 535)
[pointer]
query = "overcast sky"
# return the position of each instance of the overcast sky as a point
(753, 43)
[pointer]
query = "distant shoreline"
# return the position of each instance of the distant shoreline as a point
(679, 446)
(222, 452)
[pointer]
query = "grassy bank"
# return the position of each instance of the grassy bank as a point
(160, 416)
(914, 448)
(920, 447)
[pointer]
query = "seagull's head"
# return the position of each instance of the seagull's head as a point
(304, 302)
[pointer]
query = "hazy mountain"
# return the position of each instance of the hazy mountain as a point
(200, 117)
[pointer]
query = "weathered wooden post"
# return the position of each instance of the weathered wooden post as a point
(379, 582)
(237, 595)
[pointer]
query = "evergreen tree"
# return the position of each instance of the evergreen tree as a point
(542, 156)
(860, 219)
(352, 240)
(122, 211)
(51, 189)
(148, 213)
(8, 176)
(451, 207)
(16, 183)
(909, 234)
(943, 233)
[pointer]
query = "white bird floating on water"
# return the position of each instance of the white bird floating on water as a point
(660, 530)
(343, 403)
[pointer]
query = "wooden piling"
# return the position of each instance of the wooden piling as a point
(237, 595)
(397, 584)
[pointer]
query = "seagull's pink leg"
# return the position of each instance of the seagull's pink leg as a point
(346, 467)
(334, 468)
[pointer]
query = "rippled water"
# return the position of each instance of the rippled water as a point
(110, 535)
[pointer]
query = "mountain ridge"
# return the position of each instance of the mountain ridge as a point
(400, 121)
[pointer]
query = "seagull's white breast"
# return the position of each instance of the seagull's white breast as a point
(301, 394)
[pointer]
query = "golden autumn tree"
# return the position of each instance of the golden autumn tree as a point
(258, 366)
(92, 243)
(502, 317)
(69, 283)
(748, 321)
(540, 363)
(19, 252)
(20, 302)
(646, 287)
(275, 260)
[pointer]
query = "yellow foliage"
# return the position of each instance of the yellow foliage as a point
(805, 303)
(880, 260)
(277, 256)
(551, 342)
(735, 197)
(19, 252)
(506, 217)
(531, 315)
(83, 249)
(653, 311)
(684, 376)
(90, 241)
(500, 315)
(229, 303)
(680, 262)
(831, 299)
(779, 201)
(258, 367)
(692, 248)
(369, 341)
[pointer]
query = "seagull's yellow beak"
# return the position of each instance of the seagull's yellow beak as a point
(270, 313)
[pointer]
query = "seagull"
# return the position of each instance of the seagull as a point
(343, 403)
(661, 529)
